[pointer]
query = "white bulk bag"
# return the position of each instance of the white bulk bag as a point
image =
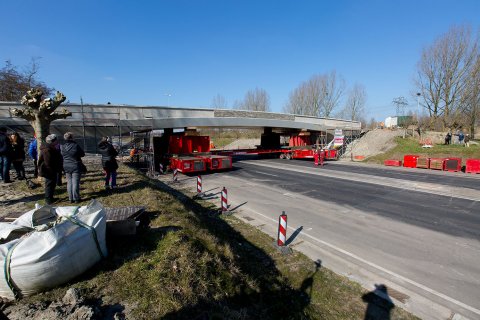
(57, 245)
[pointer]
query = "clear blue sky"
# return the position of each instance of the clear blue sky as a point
(136, 52)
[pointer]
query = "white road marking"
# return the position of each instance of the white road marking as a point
(267, 174)
(373, 265)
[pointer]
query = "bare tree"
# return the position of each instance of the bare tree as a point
(318, 96)
(400, 104)
(14, 83)
(41, 112)
(471, 98)
(443, 72)
(332, 91)
(219, 102)
(355, 106)
(256, 100)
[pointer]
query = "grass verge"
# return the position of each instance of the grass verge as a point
(191, 263)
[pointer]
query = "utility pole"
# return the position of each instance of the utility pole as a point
(83, 126)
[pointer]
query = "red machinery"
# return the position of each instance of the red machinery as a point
(190, 154)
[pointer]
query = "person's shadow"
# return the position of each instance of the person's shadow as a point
(379, 304)
(307, 284)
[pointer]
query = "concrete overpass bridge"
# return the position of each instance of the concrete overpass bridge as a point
(95, 121)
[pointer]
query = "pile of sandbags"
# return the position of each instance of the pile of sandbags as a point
(49, 246)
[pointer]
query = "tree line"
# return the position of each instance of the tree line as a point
(448, 80)
(319, 96)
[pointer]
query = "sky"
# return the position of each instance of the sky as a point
(184, 53)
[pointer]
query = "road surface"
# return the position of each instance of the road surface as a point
(416, 231)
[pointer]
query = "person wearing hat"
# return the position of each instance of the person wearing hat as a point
(72, 159)
(49, 164)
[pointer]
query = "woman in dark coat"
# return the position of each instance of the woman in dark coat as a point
(49, 164)
(109, 163)
(18, 154)
(72, 155)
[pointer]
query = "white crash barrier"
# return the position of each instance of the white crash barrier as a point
(47, 247)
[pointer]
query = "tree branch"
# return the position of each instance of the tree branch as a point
(27, 113)
(63, 114)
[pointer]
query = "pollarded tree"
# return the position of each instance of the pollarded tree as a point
(40, 113)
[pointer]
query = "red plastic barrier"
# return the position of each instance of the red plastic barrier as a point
(393, 163)
(423, 163)
(437, 163)
(410, 160)
(472, 166)
(452, 164)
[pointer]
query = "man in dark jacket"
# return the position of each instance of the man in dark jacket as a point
(5, 155)
(72, 161)
(109, 163)
(49, 164)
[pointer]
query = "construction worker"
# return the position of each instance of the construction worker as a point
(322, 157)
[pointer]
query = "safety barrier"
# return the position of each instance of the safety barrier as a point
(452, 164)
(224, 200)
(437, 163)
(410, 160)
(393, 163)
(199, 184)
(282, 230)
(472, 166)
(175, 175)
(423, 162)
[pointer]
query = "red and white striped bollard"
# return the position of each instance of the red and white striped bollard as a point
(199, 184)
(161, 168)
(175, 173)
(224, 200)
(282, 230)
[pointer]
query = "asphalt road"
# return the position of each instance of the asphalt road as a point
(424, 244)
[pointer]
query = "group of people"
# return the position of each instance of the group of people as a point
(54, 160)
(462, 138)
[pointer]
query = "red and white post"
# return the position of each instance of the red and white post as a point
(161, 168)
(175, 173)
(282, 230)
(199, 184)
(224, 200)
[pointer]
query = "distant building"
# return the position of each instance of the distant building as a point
(398, 121)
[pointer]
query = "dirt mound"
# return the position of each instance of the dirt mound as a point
(372, 143)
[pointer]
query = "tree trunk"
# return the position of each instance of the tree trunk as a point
(42, 130)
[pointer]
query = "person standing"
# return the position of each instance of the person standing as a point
(18, 154)
(49, 164)
(5, 155)
(109, 163)
(33, 153)
(72, 159)
(467, 140)
(460, 137)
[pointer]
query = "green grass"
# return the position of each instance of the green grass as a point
(412, 146)
(190, 262)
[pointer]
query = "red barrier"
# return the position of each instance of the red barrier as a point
(472, 166)
(393, 163)
(282, 230)
(410, 161)
(452, 164)
(423, 163)
(437, 163)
